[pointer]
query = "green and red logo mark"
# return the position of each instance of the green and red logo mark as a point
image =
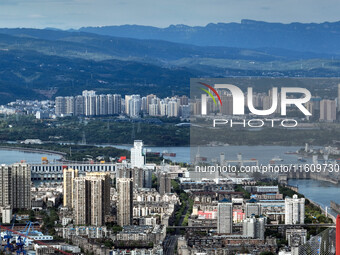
(209, 93)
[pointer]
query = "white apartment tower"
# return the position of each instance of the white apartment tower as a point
(137, 156)
(294, 210)
(254, 227)
(327, 110)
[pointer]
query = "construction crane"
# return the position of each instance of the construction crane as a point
(8, 236)
(35, 241)
(20, 241)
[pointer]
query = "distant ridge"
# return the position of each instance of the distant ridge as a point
(312, 37)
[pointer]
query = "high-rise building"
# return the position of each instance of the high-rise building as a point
(99, 197)
(5, 186)
(15, 186)
(60, 106)
(252, 209)
(125, 201)
(148, 101)
(80, 205)
(327, 110)
(137, 155)
(143, 105)
(69, 105)
(173, 108)
(127, 102)
(153, 109)
(184, 100)
(254, 227)
(296, 237)
(21, 186)
(148, 178)
(163, 107)
(6, 214)
(124, 173)
(227, 104)
(90, 105)
(103, 105)
(225, 217)
(134, 106)
(97, 106)
(110, 104)
(117, 104)
(294, 210)
(68, 177)
(79, 106)
(164, 183)
(91, 198)
(185, 111)
(138, 178)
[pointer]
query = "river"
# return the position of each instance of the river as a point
(262, 153)
(319, 191)
(15, 156)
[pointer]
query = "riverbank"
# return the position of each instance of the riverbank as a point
(32, 150)
(320, 192)
(81, 153)
(13, 155)
(324, 212)
(295, 189)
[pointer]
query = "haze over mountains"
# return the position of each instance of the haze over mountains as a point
(322, 38)
(44, 63)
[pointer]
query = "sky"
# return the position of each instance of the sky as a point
(67, 14)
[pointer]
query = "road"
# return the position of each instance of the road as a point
(170, 242)
(170, 245)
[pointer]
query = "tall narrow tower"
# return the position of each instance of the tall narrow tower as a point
(125, 201)
(68, 177)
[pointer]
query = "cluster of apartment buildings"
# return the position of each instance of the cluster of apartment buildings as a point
(91, 199)
(239, 222)
(90, 104)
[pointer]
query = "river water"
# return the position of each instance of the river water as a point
(262, 153)
(320, 192)
(14, 156)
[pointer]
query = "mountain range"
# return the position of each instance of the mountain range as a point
(44, 63)
(249, 34)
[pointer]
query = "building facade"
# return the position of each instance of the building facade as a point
(225, 217)
(68, 177)
(294, 210)
(125, 201)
